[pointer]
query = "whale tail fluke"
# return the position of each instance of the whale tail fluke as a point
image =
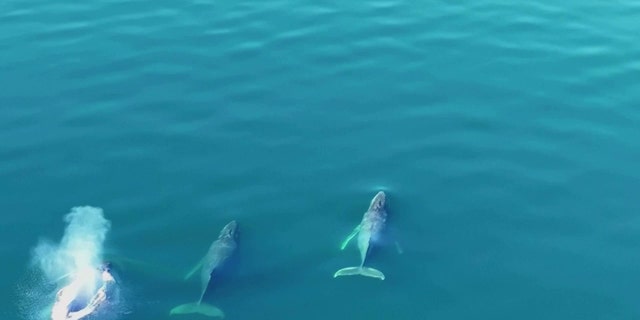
(362, 271)
(200, 308)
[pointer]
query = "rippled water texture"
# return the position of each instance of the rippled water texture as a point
(506, 135)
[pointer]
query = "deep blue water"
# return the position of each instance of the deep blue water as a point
(506, 134)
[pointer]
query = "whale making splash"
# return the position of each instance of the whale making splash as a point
(74, 268)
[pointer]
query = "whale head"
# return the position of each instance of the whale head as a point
(378, 202)
(229, 231)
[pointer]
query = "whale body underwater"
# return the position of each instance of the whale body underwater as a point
(218, 254)
(372, 224)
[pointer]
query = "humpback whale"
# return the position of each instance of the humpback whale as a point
(219, 252)
(368, 230)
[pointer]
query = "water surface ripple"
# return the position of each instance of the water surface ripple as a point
(505, 133)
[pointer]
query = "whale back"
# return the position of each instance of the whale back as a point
(219, 252)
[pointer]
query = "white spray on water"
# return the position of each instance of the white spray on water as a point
(81, 245)
(79, 254)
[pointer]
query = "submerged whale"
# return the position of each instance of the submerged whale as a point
(219, 252)
(368, 230)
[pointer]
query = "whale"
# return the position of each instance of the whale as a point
(218, 254)
(369, 229)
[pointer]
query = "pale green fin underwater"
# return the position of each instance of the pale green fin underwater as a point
(195, 268)
(199, 308)
(399, 248)
(349, 237)
(121, 262)
(362, 271)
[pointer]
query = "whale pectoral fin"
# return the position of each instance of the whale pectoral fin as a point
(392, 236)
(349, 237)
(399, 248)
(194, 269)
(123, 262)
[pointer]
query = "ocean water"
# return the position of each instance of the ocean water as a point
(506, 134)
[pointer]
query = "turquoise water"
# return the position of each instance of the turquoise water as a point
(506, 135)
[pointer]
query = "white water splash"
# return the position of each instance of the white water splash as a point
(80, 248)
(77, 256)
